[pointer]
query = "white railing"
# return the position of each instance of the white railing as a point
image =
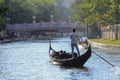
(38, 25)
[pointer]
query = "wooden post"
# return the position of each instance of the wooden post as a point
(116, 34)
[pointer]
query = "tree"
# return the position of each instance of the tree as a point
(102, 12)
(63, 11)
(2, 15)
(21, 11)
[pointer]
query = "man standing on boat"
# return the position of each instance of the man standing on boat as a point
(74, 39)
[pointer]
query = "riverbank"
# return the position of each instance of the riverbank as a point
(107, 45)
(27, 39)
(22, 39)
(104, 41)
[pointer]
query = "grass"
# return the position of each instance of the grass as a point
(111, 42)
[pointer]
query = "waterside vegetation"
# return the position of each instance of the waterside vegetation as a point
(106, 41)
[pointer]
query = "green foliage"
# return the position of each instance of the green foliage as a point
(102, 12)
(46, 9)
(112, 42)
(1, 1)
(2, 23)
(62, 12)
(2, 15)
(21, 11)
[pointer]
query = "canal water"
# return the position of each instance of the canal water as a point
(29, 60)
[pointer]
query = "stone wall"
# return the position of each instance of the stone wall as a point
(111, 34)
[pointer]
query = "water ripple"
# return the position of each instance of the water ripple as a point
(29, 60)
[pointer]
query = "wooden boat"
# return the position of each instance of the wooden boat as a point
(65, 58)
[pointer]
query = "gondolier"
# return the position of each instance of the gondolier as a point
(74, 38)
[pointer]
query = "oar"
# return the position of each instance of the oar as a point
(103, 59)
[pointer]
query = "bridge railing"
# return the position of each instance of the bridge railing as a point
(40, 25)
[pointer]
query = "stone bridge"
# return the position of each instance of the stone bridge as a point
(44, 26)
(44, 29)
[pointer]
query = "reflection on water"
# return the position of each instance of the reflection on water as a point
(29, 60)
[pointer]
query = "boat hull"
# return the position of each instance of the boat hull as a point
(73, 62)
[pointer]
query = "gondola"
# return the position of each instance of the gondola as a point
(64, 58)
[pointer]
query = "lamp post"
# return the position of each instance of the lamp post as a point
(51, 23)
(34, 19)
(7, 20)
(87, 31)
(51, 18)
